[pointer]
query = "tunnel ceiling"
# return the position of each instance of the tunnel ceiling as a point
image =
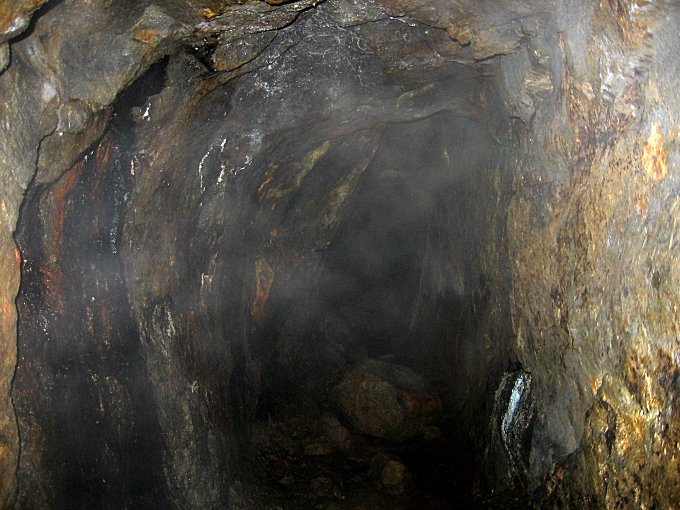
(209, 208)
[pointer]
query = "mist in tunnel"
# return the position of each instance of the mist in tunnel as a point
(253, 268)
(340, 254)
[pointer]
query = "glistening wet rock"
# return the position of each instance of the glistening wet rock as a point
(511, 430)
(464, 185)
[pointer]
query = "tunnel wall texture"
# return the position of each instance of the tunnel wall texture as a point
(200, 221)
(594, 260)
(196, 229)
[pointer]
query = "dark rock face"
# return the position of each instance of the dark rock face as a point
(94, 397)
(222, 207)
(200, 307)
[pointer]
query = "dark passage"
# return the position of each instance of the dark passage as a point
(200, 261)
(373, 269)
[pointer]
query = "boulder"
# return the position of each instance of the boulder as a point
(386, 400)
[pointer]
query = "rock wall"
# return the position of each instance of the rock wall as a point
(173, 241)
(182, 179)
(592, 228)
(56, 96)
(50, 118)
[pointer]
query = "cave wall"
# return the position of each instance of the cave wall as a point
(253, 205)
(56, 95)
(174, 242)
(47, 105)
(410, 276)
(80, 364)
(180, 253)
(592, 233)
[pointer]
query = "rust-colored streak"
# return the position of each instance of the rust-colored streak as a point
(8, 313)
(264, 278)
(653, 155)
(65, 187)
(63, 190)
(7, 308)
(17, 257)
(103, 159)
(145, 35)
(50, 282)
(51, 274)
(104, 152)
(264, 187)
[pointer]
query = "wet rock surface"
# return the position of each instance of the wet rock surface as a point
(217, 208)
(511, 429)
(211, 310)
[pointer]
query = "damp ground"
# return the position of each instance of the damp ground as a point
(306, 459)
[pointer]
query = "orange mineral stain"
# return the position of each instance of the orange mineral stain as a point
(653, 155)
(264, 278)
(264, 187)
(104, 152)
(8, 314)
(61, 194)
(145, 35)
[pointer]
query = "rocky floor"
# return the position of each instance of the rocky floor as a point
(309, 460)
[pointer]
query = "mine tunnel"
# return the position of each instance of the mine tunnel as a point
(339, 254)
